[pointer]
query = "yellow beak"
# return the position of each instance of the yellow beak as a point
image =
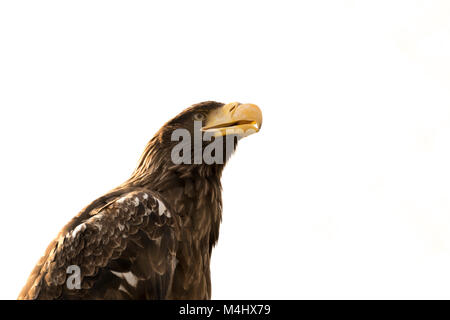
(234, 118)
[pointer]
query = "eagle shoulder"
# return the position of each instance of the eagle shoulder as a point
(125, 250)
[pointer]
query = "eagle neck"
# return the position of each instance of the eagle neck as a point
(193, 191)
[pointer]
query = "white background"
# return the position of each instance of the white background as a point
(345, 193)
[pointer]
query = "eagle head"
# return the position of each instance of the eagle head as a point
(212, 121)
(203, 135)
(219, 119)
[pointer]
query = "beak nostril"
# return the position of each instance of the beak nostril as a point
(234, 105)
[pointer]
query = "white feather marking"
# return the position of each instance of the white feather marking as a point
(145, 196)
(161, 208)
(79, 228)
(128, 276)
(123, 289)
(121, 226)
(121, 200)
(136, 201)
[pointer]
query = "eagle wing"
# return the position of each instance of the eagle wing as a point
(126, 250)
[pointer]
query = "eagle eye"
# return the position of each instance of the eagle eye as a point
(199, 116)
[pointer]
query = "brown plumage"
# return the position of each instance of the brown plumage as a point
(151, 237)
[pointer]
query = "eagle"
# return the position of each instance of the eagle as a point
(152, 236)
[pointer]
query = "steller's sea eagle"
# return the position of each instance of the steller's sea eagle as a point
(152, 236)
